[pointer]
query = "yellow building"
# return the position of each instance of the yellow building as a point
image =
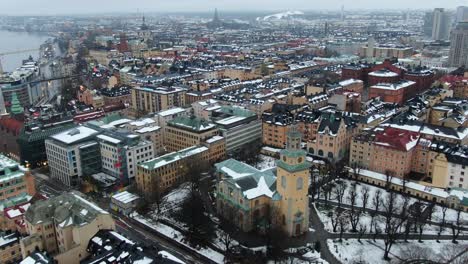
(157, 176)
(255, 199)
(155, 99)
(183, 132)
(10, 251)
(64, 225)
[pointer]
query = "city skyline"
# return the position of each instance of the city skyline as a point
(30, 7)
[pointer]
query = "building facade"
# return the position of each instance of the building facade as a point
(154, 99)
(255, 200)
(458, 55)
(63, 226)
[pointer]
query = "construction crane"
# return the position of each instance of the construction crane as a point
(13, 52)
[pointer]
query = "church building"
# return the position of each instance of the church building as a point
(254, 199)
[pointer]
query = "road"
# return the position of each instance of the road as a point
(153, 241)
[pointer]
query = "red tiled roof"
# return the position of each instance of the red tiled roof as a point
(398, 139)
(451, 79)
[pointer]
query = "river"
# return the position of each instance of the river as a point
(13, 41)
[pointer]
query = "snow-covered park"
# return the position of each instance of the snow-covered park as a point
(370, 252)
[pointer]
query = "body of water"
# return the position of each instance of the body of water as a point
(14, 41)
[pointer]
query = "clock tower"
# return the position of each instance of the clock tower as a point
(292, 185)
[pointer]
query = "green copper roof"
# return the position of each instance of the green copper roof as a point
(236, 111)
(293, 168)
(172, 157)
(13, 201)
(293, 153)
(192, 123)
(16, 107)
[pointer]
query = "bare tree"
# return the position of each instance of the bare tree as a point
(456, 226)
(377, 231)
(227, 241)
(392, 223)
(335, 217)
(339, 192)
(352, 196)
(454, 254)
(327, 190)
(343, 225)
(388, 179)
(355, 214)
(362, 231)
(443, 223)
(377, 200)
(415, 252)
(404, 184)
(364, 197)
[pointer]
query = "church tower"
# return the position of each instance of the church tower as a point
(292, 184)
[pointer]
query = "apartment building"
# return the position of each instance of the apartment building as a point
(183, 132)
(10, 250)
(150, 99)
(334, 135)
(149, 132)
(165, 116)
(157, 176)
(450, 113)
(117, 95)
(274, 128)
(451, 168)
(16, 183)
(63, 226)
(386, 150)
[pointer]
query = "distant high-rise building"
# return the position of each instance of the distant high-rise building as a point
(462, 14)
(440, 24)
(458, 55)
(143, 24)
(342, 13)
(428, 21)
(216, 16)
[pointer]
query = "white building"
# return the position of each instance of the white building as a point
(121, 153)
(71, 152)
(165, 116)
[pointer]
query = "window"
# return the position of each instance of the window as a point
(283, 181)
(320, 152)
(299, 183)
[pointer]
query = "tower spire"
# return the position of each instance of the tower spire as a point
(216, 16)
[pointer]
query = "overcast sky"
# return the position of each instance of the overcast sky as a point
(48, 7)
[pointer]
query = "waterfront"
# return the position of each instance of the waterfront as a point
(13, 41)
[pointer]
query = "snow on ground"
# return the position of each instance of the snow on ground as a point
(323, 213)
(171, 202)
(266, 162)
(451, 214)
(351, 251)
(177, 236)
(307, 256)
